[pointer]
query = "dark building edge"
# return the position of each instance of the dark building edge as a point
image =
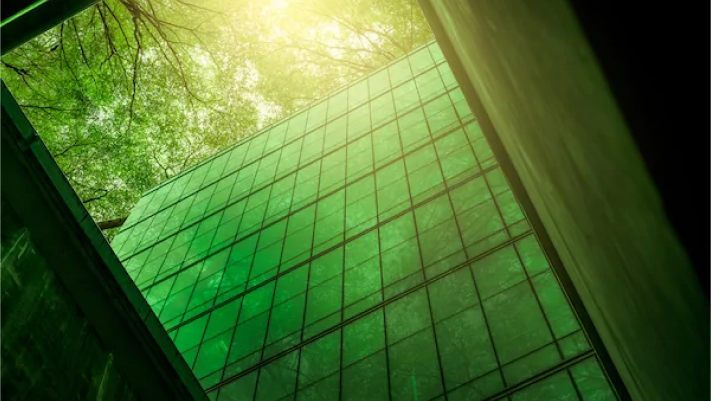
(82, 259)
(647, 55)
(521, 194)
(37, 20)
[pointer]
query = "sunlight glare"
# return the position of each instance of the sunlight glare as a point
(279, 4)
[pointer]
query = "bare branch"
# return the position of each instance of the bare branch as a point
(18, 70)
(76, 144)
(109, 224)
(81, 47)
(23, 74)
(185, 3)
(165, 170)
(137, 37)
(107, 34)
(104, 192)
(53, 108)
(123, 32)
(64, 54)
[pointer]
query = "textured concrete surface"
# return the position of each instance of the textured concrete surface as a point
(551, 107)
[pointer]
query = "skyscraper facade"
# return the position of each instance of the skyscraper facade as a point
(367, 247)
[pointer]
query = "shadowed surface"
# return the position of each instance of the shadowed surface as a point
(547, 99)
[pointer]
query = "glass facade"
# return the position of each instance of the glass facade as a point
(365, 248)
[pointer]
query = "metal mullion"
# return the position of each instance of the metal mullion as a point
(170, 293)
(476, 289)
(475, 258)
(140, 269)
(201, 187)
(142, 234)
(318, 200)
(345, 185)
(589, 352)
(183, 192)
(163, 231)
(192, 292)
(252, 192)
(356, 236)
(264, 339)
(417, 235)
(214, 180)
(214, 234)
(542, 376)
(280, 176)
(372, 309)
(269, 314)
(345, 227)
(259, 230)
(302, 164)
(204, 333)
(162, 301)
(575, 384)
(535, 293)
(380, 249)
(528, 278)
(185, 212)
(305, 109)
(490, 133)
(154, 280)
(524, 234)
(283, 143)
(295, 267)
(533, 379)
(228, 257)
(417, 231)
(202, 337)
(232, 339)
(490, 168)
(197, 280)
(379, 290)
(263, 226)
(456, 219)
(308, 275)
(545, 315)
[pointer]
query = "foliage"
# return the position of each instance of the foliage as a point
(131, 92)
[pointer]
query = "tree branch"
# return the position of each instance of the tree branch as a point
(104, 192)
(17, 70)
(137, 37)
(109, 224)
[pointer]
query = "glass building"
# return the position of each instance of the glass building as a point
(365, 248)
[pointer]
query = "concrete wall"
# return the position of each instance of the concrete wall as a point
(550, 106)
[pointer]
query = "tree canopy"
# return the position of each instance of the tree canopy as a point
(131, 92)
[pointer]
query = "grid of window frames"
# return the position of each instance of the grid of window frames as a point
(366, 248)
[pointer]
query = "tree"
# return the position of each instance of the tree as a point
(327, 43)
(131, 92)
